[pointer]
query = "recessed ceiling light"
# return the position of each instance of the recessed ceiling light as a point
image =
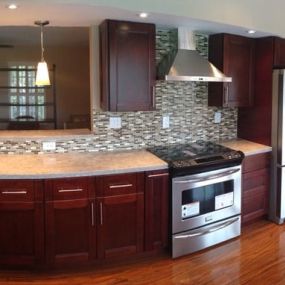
(143, 15)
(12, 6)
(251, 31)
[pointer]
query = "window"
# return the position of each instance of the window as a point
(26, 100)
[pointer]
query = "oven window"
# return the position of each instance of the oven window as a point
(206, 199)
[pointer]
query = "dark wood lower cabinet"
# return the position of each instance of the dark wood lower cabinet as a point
(56, 222)
(120, 225)
(156, 210)
(255, 187)
(70, 223)
(21, 223)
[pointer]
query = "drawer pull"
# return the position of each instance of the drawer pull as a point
(69, 190)
(158, 175)
(101, 213)
(92, 214)
(120, 186)
(14, 192)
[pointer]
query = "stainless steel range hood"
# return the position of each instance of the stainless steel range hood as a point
(187, 64)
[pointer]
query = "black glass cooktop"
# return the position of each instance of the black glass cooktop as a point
(198, 156)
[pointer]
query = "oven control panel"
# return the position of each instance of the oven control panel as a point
(190, 210)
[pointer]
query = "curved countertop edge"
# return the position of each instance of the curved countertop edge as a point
(81, 174)
(247, 147)
(49, 166)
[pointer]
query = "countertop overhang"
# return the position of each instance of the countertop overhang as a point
(247, 147)
(59, 165)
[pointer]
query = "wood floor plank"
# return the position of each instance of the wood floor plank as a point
(257, 258)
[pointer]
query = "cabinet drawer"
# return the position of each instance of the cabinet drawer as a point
(121, 184)
(18, 190)
(255, 178)
(255, 162)
(67, 189)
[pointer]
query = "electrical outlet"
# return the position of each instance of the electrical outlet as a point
(115, 123)
(49, 145)
(218, 117)
(165, 122)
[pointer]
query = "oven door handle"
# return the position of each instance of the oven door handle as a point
(211, 177)
(212, 229)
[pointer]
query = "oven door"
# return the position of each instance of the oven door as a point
(205, 198)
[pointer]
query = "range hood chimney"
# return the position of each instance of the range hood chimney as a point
(187, 64)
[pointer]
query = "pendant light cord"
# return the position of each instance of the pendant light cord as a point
(42, 43)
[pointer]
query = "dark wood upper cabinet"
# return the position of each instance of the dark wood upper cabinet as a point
(21, 223)
(127, 65)
(234, 56)
(156, 210)
(70, 221)
(279, 53)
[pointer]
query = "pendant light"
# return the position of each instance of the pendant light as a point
(42, 76)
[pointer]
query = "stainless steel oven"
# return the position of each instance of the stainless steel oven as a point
(206, 194)
(206, 209)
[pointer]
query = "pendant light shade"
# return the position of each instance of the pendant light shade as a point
(42, 76)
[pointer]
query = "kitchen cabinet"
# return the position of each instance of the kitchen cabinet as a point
(127, 66)
(234, 56)
(120, 211)
(21, 223)
(255, 186)
(279, 53)
(255, 123)
(70, 221)
(63, 221)
(156, 210)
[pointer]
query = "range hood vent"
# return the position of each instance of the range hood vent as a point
(186, 64)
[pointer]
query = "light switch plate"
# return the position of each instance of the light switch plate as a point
(115, 123)
(49, 145)
(165, 122)
(218, 117)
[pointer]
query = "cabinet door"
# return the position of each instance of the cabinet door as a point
(130, 49)
(120, 225)
(279, 53)
(255, 186)
(156, 210)
(234, 55)
(70, 222)
(21, 223)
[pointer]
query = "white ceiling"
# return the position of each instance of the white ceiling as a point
(206, 16)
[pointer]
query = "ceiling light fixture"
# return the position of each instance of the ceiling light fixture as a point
(12, 6)
(42, 76)
(143, 15)
(251, 31)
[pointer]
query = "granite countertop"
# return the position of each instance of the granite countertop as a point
(32, 166)
(247, 147)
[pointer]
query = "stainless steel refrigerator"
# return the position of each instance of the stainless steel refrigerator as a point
(277, 193)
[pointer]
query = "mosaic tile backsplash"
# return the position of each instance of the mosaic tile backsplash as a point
(184, 102)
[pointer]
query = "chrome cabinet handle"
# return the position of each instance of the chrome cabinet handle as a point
(158, 175)
(120, 186)
(14, 192)
(153, 96)
(101, 213)
(213, 229)
(226, 173)
(92, 214)
(226, 92)
(70, 190)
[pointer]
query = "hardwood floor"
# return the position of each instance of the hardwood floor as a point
(257, 258)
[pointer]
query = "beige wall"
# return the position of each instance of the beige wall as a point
(72, 75)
